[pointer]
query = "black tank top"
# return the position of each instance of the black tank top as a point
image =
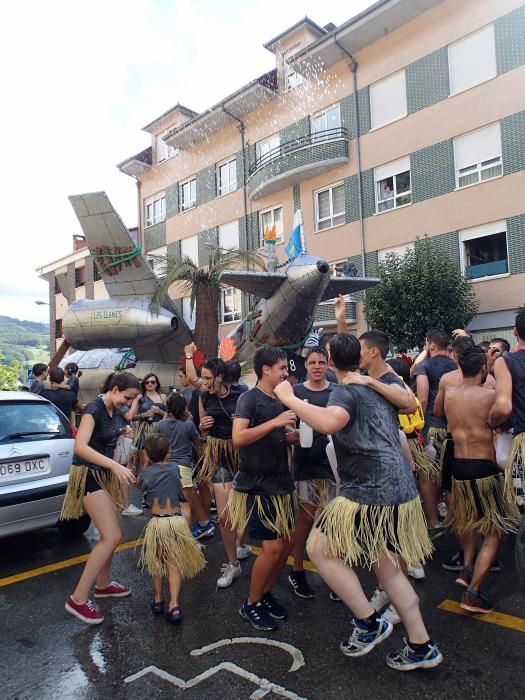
(516, 365)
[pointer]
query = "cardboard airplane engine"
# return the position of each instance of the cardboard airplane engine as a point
(286, 299)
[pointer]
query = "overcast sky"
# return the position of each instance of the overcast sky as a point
(81, 79)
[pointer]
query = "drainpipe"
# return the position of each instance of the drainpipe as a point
(242, 129)
(353, 67)
(140, 238)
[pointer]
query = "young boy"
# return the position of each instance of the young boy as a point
(262, 496)
(376, 520)
(40, 376)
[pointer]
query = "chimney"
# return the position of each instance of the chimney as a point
(79, 242)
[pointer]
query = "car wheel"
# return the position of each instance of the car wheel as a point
(74, 528)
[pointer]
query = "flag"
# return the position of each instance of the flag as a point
(295, 246)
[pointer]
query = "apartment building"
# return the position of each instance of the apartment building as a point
(407, 120)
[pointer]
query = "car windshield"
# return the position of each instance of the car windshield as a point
(25, 421)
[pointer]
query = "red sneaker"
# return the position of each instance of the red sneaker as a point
(84, 611)
(114, 590)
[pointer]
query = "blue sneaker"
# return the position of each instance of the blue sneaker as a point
(274, 608)
(258, 617)
(407, 660)
(362, 640)
(201, 532)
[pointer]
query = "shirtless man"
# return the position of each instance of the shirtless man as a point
(480, 508)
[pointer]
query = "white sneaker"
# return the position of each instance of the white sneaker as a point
(132, 510)
(391, 615)
(442, 510)
(379, 599)
(417, 572)
(243, 551)
(229, 572)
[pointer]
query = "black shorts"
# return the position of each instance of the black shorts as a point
(92, 484)
(257, 530)
(472, 469)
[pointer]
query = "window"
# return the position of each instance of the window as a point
(268, 149)
(478, 156)
(483, 250)
(292, 79)
(96, 273)
(229, 235)
(163, 150)
(158, 266)
(231, 303)
(226, 177)
(326, 124)
(388, 100)
(393, 186)
(270, 218)
(187, 314)
(398, 250)
(189, 247)
(187, 194)
(57, 287)
(472, 60)
(80, 276)
(155, 210)
(58, 328)
(330, 207)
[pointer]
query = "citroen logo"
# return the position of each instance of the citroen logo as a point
(15, 451)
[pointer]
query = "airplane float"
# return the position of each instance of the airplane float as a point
(287, 297)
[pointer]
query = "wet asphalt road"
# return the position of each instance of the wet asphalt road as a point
(47, 654)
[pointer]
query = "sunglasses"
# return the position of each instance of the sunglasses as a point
(150, 381)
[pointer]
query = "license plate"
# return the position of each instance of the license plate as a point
(33, 466)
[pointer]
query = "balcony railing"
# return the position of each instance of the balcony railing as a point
(297, 143)
(498, 267)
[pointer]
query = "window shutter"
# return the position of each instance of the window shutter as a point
(323, 204)
(477, 146)
(388, 100)
(392, 168)
(472, 60)
(338, 194)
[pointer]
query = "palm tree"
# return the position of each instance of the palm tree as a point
(203, 284)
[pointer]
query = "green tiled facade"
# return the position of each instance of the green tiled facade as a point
(432, 171)
(241, 169)
(174, 249)
(172, 200)
(509, 34)
(427, 80)
(249, 232)
(516, 246)
(205, 185)
(292, 132)
(154, 236)
(205, 238)
(513, 143)
(296, 197)
(362, 119)
(352, 196)
(448, 243)
(371, 264)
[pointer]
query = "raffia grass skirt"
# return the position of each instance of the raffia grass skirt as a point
(143, 431)
(517, 460)
(320, 492)
(483, 505)
(359, 534)
(76, 490)
(217, 453)
(426, 469)
(284, 507)
(168, 541)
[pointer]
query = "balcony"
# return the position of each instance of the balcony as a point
(489, 269)
(297, 160)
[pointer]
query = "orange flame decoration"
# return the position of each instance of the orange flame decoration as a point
(227, 349)
(270, 234)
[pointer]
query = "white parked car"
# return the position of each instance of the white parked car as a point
(36, 450)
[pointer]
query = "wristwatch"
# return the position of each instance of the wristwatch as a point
(189, 357)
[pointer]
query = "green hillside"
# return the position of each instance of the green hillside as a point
(24, 341)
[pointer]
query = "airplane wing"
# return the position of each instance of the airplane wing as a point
(347, 285)
(105, 232)
(260, 284)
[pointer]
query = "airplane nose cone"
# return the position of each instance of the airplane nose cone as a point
(322, 266)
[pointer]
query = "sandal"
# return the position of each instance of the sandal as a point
(174, 615)
(157, 607)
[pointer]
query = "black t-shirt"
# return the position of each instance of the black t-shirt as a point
(64, 399)
(370, 460)
(434, 368)
(263, 465)
(107, 428)
(515, 362)
(74, 384)
(330, 376)
(222, 411)
(312, 462)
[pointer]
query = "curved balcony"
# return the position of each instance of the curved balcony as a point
(297, 160)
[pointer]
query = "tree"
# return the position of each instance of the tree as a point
(203, 284)
(9, 374)
(419, 291)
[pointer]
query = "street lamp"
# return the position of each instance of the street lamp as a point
(41, 303)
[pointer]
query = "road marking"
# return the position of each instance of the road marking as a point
(264, 685)
(493, 618)
(295, 653)
(24, 575)
(306, 564)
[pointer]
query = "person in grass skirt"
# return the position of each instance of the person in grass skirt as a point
(169, 550)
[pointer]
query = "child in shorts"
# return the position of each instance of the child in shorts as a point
(169, 550)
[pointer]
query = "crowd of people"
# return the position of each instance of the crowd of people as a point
(397, 454)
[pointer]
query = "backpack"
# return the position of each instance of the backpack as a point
(408, 422)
